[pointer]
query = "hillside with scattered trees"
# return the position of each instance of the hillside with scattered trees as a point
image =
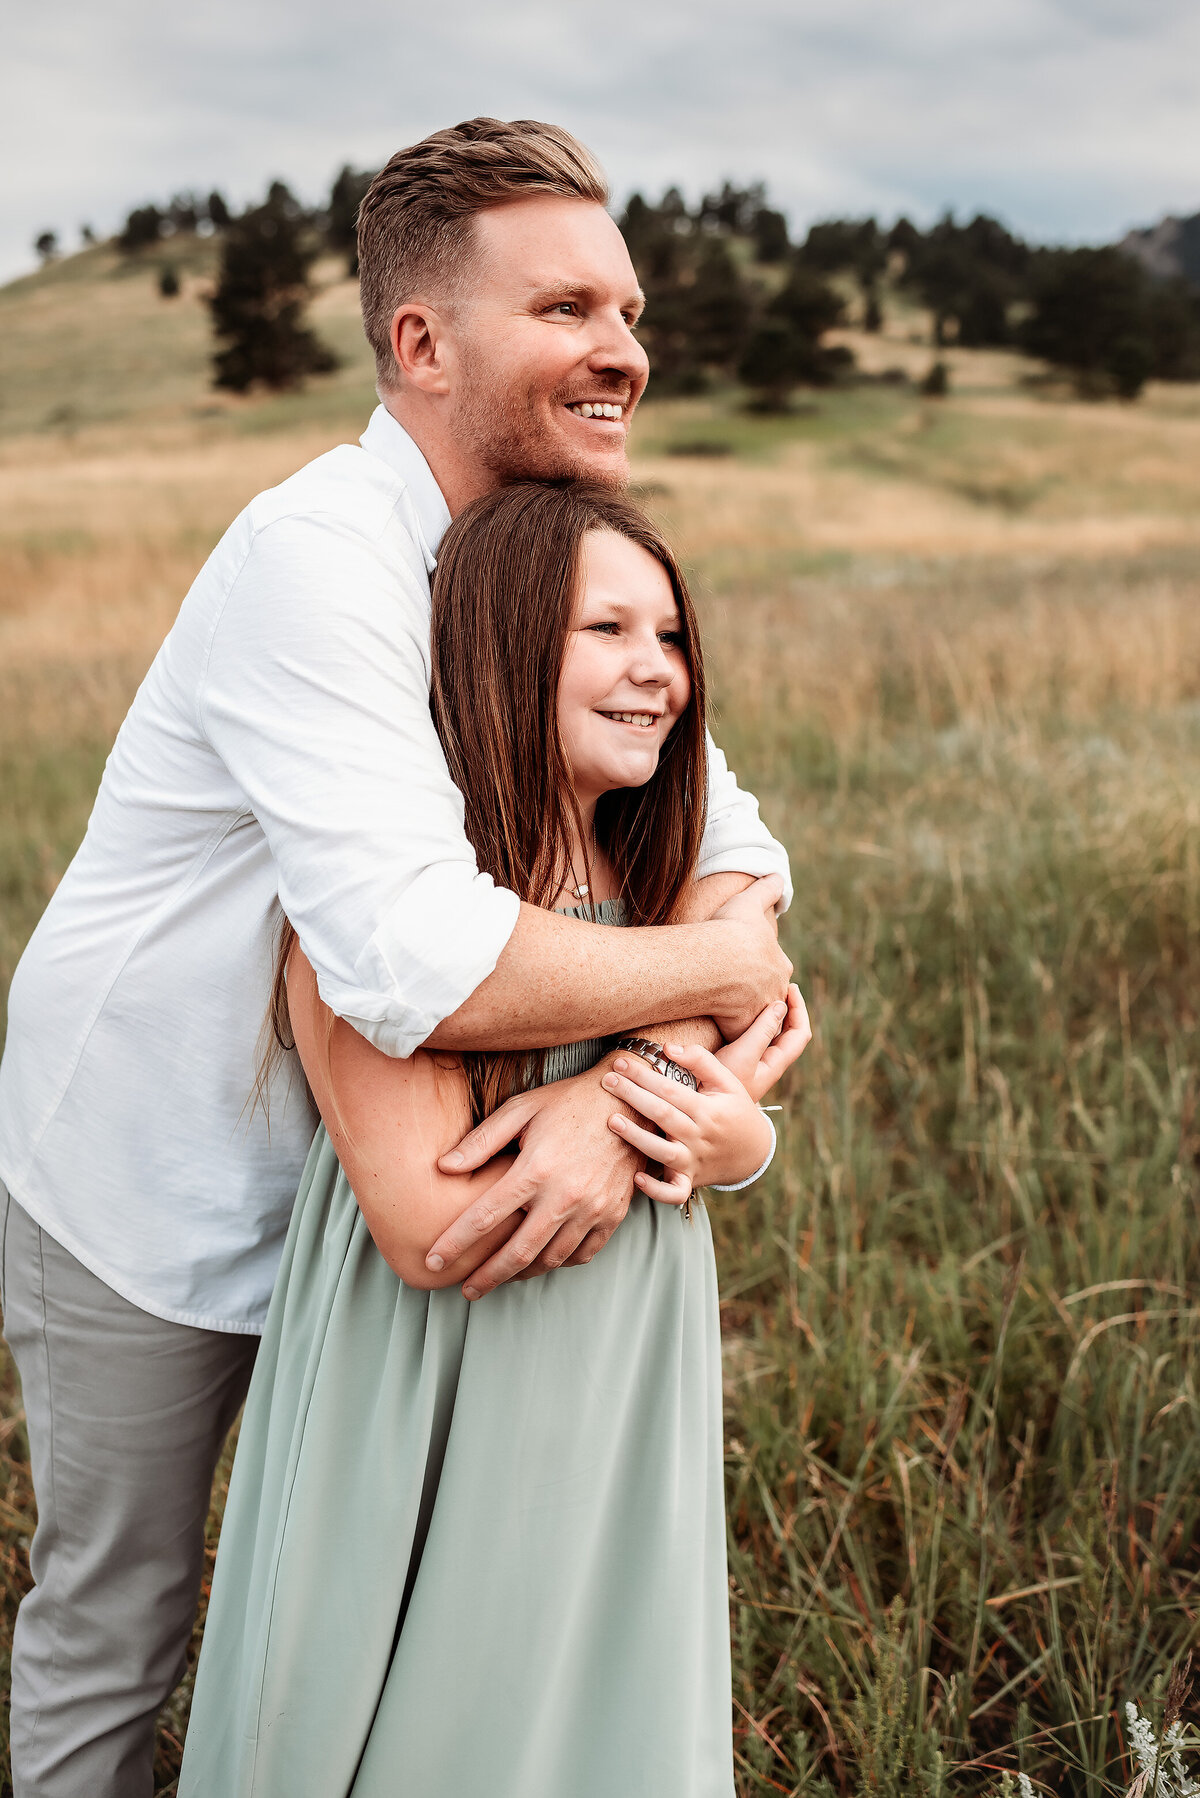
(731, 298)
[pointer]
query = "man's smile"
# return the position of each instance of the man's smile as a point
(610, 411)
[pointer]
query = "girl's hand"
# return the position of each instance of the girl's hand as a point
(762, 1053)
(716, 1133)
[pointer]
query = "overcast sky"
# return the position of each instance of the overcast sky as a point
(1070, 119)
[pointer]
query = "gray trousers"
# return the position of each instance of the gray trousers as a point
(127, 1415)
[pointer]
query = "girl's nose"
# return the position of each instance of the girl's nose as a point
(653, 666)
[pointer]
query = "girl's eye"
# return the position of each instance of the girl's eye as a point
(675, 638)
(604, 627)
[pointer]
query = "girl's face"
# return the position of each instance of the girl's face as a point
(625, 676)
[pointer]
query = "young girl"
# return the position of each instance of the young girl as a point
(478, 1550)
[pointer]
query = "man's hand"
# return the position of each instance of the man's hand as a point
(572, 1179)
(753, 913)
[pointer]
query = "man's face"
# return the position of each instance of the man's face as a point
(547, 369)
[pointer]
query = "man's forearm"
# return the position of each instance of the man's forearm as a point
(561, 980)
(705, 899)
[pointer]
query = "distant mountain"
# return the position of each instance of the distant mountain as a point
(1168, 249)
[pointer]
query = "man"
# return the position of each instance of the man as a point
(280, 754)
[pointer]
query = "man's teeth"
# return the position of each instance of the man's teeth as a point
(582, 409)
(645, 719)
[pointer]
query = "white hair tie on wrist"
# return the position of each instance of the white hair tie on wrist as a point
(759, 1172)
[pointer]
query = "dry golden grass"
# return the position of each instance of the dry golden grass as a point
(105, 531)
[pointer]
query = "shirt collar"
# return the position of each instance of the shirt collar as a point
(386, 438)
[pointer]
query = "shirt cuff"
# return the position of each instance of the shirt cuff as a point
(439, 941)
(755, 861)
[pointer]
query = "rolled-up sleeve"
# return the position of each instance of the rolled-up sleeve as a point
(736, 841)
(316, 698)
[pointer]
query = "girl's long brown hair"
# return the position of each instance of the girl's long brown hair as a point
(505, 597)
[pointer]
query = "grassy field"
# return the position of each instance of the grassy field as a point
(957, 654)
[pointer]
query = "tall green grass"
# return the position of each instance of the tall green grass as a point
(962, 1319)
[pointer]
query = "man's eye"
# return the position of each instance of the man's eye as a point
(567, 306)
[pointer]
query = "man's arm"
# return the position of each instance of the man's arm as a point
(562, 980)
(702, 904)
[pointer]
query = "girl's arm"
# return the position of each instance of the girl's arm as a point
(389, 1120)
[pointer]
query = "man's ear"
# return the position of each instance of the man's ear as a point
(421, 345)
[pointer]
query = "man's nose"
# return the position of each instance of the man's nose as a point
(617, 348)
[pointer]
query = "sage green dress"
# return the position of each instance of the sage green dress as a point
(474, 1551)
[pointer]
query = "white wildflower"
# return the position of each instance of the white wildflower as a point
(1185, 1785)
(1163, 1772)
(1025, 1786)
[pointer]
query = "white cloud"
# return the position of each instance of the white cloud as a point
(1070, 118)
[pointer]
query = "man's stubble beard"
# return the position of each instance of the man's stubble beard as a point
(505, 435)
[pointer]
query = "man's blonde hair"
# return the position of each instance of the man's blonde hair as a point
(414, 224)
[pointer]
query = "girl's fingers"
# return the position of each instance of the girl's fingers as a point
(675, 1191)
(790, 1045)
(798, 1018)
(658, 1148)
(745, 1051)
(663, 1101)
(711, 1073)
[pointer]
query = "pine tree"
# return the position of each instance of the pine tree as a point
(341, 215)
(145, 225)
(717, 307)
(770, 234)
(1092, 315)
(260, 297)
(774, 361)
(786, 349)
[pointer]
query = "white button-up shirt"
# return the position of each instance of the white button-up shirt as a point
(279, 755)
